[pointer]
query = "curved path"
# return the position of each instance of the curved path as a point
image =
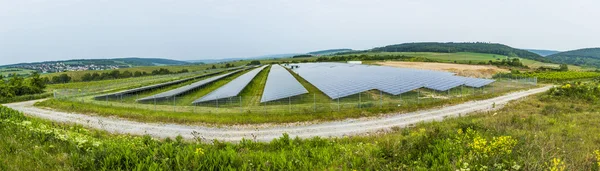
(267, 133)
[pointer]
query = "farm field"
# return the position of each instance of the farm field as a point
(465, 57)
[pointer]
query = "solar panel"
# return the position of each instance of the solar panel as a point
(281, 84)
(140, 89)
(184, 89)
(232, 88)
(340, 80)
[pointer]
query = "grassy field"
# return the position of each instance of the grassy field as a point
(19, 71)
(465, 57)
(308, 107)
(536, 133)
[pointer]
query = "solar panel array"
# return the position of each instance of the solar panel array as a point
(281, 84)
(135, 90)
(232, 88)
(340, 80)
(184, 89)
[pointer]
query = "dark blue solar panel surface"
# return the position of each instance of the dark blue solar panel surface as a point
(341, 79)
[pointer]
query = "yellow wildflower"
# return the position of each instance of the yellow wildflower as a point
(199, 151)
(557, 165)
(597, 152)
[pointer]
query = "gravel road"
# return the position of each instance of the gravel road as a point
(341, 128)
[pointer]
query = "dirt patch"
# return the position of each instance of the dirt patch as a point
(479, 71)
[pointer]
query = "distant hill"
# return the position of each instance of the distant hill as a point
(149, 61)
(542, 52)
(490, 48)
(328, 52)
(210, 61)
(93, 64)
(581, 57)
(115, 61)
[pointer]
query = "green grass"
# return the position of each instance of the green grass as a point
(19, 71)
(525, 135)
(300, 108)
(255, 88)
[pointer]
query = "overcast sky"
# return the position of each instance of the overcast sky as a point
(41, 30)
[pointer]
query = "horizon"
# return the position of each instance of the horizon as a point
(37, 31)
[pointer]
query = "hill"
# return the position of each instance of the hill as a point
(328, 52)
(149, 61)
(581, 57)
(93, 64)
(542, 52)
(490, 48)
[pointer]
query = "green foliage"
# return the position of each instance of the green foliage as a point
(580, 57)
(551, 76)
(512, 62)
(116, 74)
(62, 78)
(255, 62)
(18, 86)
(582, 90)
(491, 48)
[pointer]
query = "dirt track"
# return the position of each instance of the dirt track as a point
(261, 133)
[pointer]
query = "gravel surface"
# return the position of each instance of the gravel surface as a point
(341, 128)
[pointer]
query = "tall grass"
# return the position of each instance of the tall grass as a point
(530, 134)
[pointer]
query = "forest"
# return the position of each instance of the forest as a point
(581, 57)
(491, 48)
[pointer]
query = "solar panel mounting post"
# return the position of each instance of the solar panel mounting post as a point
(359, 101)
(315, 102)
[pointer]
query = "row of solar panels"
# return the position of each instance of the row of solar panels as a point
(232, 88)
(155, 86)
(334, 79)
(340, 80)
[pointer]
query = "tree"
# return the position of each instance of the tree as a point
(36, 82)
(563, 67)
(254, 62)
(96, 76)
(126, 74)
(213, 67)
(87, 77)
(62, 78)
(137, 74)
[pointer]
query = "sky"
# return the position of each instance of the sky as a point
(43, 30)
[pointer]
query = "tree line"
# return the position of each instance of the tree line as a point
(19, 86)
(364, 57)
(116, 74)
(477, 47)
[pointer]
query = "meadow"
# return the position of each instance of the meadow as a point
(544, 132)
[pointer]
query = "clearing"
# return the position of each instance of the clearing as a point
(479, 71)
